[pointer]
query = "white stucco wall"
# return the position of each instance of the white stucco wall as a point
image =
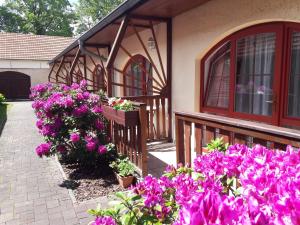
(37, 70)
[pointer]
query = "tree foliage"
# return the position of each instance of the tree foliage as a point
(43, 17)
(89, 12)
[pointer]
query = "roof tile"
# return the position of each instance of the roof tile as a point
(32, 47)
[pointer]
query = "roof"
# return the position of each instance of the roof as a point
(156, 8)
(32, 47)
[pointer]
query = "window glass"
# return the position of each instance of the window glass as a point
(217, 78)
(255, 56)
(294, 78)
(138, 73)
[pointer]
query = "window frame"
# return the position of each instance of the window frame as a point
(286, 120)
(143, 80)
(282, 64)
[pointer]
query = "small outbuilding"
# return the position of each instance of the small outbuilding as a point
(24, 61)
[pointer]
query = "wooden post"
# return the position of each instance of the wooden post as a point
(179, 128)
(143, 139)
(84, 68)
(169, 77)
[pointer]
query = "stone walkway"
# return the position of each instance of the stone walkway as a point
(29, 186)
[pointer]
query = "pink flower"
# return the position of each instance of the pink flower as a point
(102, 149)
(43, 149)
(91, 146)
(104, 220)
(74, 137)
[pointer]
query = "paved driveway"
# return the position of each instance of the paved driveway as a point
(29, 186)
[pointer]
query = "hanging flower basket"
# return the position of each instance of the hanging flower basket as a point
(125, 118)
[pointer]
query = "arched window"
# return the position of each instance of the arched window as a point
(98, 78)
(138, 76)
(254, 74)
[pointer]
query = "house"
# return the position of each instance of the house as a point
(24, 61)
(204, 68)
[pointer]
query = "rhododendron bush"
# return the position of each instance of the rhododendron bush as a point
(241, 186)
(71, 121)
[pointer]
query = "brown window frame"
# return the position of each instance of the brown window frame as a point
(282, 65)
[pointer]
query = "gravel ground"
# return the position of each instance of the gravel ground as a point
(90, 183)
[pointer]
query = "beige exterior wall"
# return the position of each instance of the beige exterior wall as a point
(197, 30)
(37, 70)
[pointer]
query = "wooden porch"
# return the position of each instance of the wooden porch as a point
(148, 144)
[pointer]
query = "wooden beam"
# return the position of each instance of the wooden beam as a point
(113, 54)
(84, 67)
(59, 67)
(73, 65)
(131, 24)
(96, 45)
(117, 42)
(153, 18)
(169, 77)
(49, 75)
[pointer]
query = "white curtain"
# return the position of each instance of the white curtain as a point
(254, 74)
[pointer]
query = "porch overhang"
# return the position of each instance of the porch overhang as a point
(104, 32)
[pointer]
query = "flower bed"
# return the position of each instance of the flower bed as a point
(241, 186)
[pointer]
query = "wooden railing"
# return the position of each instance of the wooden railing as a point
(131, 140)
(195, 130)
(158, 118)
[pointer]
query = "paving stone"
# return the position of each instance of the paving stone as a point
(29, 186)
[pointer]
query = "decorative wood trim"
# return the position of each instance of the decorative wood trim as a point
(158, 52)
(73, 65)
(59, 67)
(148, 55)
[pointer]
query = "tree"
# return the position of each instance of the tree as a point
(89, 12)
(43, 17)
(9, 22)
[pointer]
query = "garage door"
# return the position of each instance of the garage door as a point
(14, 85)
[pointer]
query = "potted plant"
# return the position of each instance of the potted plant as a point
(216, 144)
(121, 111)
(124, 171)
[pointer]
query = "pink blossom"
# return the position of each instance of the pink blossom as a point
(102, 149)
(74, 137)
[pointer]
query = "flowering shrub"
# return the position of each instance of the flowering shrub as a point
(120, 104)
(241, 186)
(71, 121)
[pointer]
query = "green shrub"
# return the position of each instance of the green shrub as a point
(2, 98)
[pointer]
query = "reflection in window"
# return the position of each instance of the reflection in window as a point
(254, 74)
(217, 78)
(138, 77)
(294, 78)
